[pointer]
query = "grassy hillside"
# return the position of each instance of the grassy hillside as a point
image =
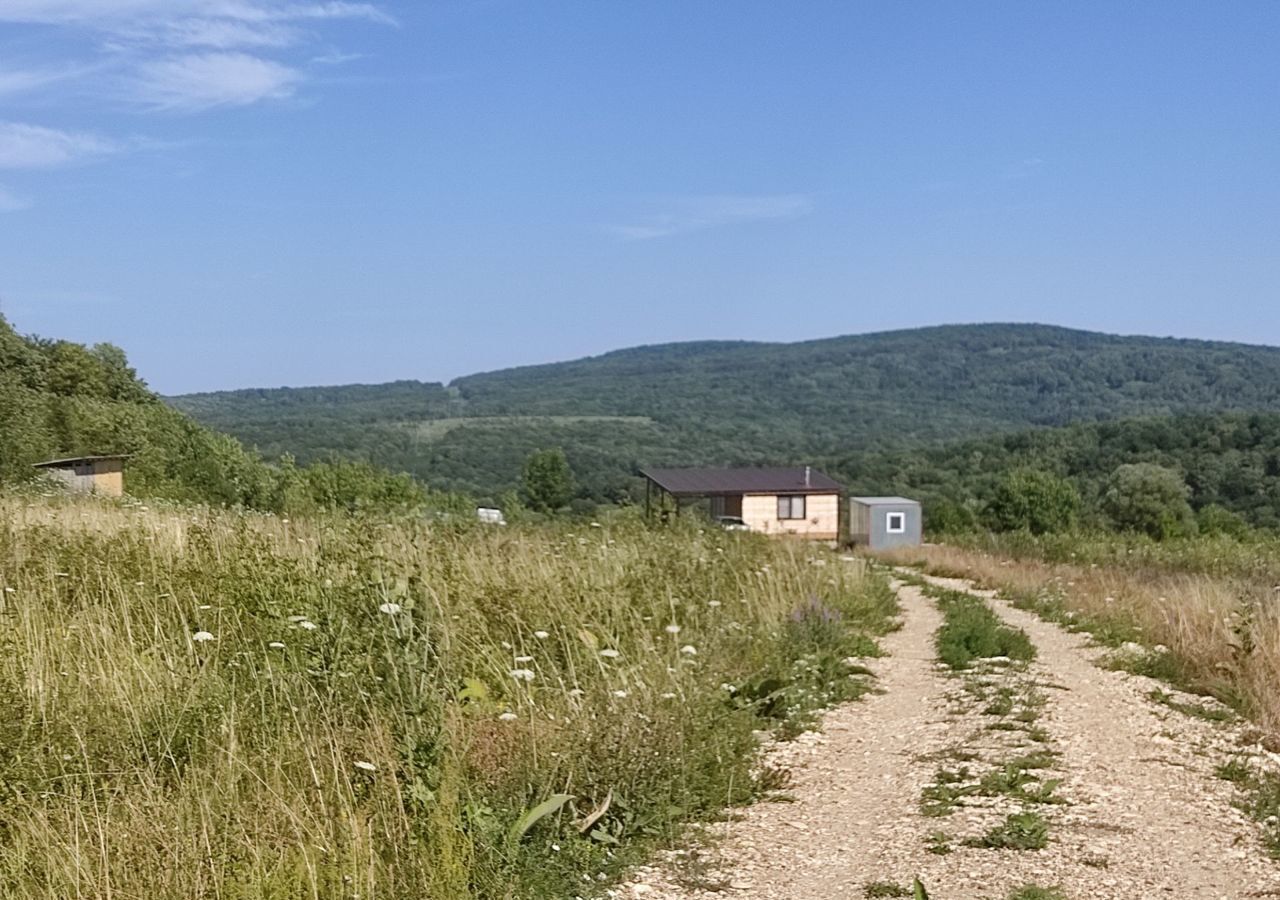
(232, 705)
(740, 402)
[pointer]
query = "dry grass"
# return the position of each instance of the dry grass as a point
(1222, 632)
(360, 721)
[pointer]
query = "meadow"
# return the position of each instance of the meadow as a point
(208, 704)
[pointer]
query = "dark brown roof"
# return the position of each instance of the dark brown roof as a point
(76, 461)
(701, 482)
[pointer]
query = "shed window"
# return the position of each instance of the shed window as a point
(791, 507)
(896, 523)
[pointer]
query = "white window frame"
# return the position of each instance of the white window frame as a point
(902, 523)
(791, 507)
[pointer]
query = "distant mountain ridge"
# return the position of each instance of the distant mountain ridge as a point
(727, 402)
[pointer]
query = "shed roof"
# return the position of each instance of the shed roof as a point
(885, 501)
(702, 482)
(76, 461)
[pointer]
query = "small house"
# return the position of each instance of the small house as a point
(881, 523)
(102, 475)
(799, 501)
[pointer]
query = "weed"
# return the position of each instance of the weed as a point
(885, 889)
(938, 843)
(1020, 831)
(1236, 770)
(1035, 892)
(1197, 710)
(971, 631)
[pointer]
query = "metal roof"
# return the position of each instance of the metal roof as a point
(703, 482)
(885, 501)
(76, 461)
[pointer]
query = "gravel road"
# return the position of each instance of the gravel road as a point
(1145, 816)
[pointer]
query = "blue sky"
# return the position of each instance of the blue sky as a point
(266, 192)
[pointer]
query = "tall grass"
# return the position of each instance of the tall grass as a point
(203, 704)
(1217, 628)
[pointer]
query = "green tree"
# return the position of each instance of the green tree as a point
(1034, 501)
(546, 482)
(1150, 499)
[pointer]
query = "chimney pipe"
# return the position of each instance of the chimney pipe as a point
(806, 476)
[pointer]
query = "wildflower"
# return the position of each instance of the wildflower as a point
(308, 625)
(390, 608)
(596, 525)
(201, 636)
(10, 590)
(621, 695)
(365, 765)
(555, 847)
(610, 653)
(668, 696)
(673, 628)
(713, 603)
(541, 635)
(689, 650)
(507, 716)
(276, 645)
(522, 674)
(728, 687)
(524, 659)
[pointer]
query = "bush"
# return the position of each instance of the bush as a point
(1034, 501)
(1149, 499)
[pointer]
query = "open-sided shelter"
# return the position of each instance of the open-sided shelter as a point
(89, 474)
(798, 501)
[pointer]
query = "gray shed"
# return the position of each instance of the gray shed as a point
(882, 523)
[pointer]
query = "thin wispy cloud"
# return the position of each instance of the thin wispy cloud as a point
(24, 146)
(205, 80)
(692, 214)
(189, 55)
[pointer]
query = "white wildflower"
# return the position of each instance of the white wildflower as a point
(308, 625)
(508, 716)
(673, 628)
(668, 696)
(522, 674)
(390, 608)
(596, 525)
(365, 766)
(713, 603)
(542, 635)
(728, 687)
(276, 645)
(689, 650)
(10, 590)
(201, 636)
(610, 653)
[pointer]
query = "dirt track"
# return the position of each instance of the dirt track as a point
(1144, 814)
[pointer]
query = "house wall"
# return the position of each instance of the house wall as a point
(821, 522)
(869, 525)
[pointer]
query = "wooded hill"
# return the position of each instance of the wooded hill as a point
(59, 398)
(833, 400)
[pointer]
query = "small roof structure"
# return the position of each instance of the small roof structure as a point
(711, 482)
(885, 501)
(77, 461)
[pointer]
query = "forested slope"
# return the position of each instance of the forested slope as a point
(744, 403)
(59, 398)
